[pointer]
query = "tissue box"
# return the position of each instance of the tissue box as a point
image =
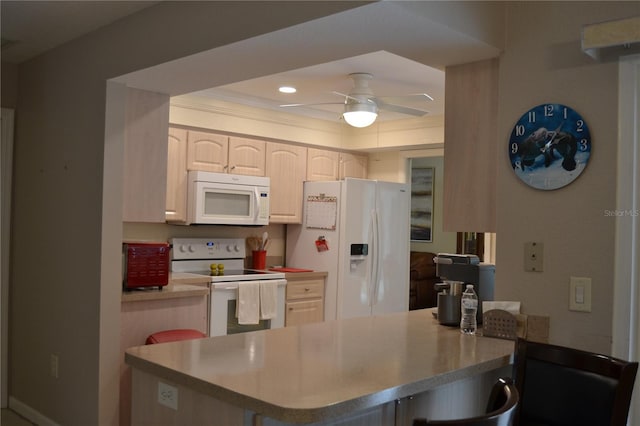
(499, 323)
(505, 325)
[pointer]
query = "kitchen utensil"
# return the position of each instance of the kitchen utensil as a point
(265, 239)
(259, 259)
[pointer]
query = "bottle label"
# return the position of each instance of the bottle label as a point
(470, 303)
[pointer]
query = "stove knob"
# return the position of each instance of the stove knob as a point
(236, 248)
(192, 249)
(229, 248)
(183, 248)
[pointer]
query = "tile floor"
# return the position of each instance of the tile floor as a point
(11, 418)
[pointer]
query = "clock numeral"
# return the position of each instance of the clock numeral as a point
(583, 144)
(519, 130)
(518, 165)
(548, 110)
(564, 113)
(532, 116)
(579, 125)
(514, 148)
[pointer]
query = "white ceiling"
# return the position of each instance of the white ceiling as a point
(39, 26)
(393, 75)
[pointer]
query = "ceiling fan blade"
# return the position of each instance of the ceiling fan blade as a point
(401, 109)
(413, 97)
(322, 103)
(355, 99)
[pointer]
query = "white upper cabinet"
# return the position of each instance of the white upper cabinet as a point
(322, 164)
(211, 152)
(145, 156)
(176, 207)
(246, 156)
(207, 152)
(353, 165)
(287, 169)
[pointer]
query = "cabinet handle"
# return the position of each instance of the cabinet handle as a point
(233, 167)
(307, 289)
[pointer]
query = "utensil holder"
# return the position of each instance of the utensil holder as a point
(259, 259)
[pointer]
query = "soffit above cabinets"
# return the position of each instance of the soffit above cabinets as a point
(612, 38)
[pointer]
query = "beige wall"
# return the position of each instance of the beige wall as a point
(9, 90)
(578, 238)
(62, 301)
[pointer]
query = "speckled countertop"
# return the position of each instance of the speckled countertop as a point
(325, 370)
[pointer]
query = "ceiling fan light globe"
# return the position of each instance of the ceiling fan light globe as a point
(360, 118)
(360, 114)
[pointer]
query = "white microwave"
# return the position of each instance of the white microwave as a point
(226, 199)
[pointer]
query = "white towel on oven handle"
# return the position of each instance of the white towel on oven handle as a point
(248, 304)
(268, 299)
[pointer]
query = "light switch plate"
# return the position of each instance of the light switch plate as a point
(580, 294)
(533, 253)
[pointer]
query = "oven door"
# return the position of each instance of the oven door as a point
(223, 319)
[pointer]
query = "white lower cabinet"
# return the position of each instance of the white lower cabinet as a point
(305, 299)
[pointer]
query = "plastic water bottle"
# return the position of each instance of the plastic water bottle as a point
(469, 308)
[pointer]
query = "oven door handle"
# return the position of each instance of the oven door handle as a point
(224, 286)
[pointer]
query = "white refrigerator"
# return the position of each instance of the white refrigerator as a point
(358, 231)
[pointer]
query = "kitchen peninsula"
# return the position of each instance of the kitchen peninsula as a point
(380, 370)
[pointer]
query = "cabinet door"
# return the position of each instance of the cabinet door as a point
(304, 312)
(176, 210)
(247, 156)
(322, 164)
(145, 157)
(305, 289)
(352, 165)
(287, 168)
(207, 152)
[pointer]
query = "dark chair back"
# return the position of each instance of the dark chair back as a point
(501, 408)
(562, 386)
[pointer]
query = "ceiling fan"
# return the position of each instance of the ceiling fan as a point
(361, 106)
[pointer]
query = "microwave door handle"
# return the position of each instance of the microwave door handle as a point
(256, 203)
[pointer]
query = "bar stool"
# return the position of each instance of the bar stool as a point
(174, 336)
(501, 409)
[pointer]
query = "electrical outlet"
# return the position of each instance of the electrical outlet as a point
(533, 253)
(580, 294)
(168, 395)
(53, 365)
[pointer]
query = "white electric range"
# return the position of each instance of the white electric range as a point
(196, 255)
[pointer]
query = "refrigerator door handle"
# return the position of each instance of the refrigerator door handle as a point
(375, 264)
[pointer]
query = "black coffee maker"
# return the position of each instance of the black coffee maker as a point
(456, 270)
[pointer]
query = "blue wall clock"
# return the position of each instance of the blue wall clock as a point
(550, 146)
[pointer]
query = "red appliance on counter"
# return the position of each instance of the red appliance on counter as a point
(145, 265)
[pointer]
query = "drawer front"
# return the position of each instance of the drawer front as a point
(305, 289)
(304, 312)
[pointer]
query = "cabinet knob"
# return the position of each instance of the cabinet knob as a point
(307, 289)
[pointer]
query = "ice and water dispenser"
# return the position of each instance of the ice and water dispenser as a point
(456, 270)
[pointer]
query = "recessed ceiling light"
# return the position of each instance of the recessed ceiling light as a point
(287, 89)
